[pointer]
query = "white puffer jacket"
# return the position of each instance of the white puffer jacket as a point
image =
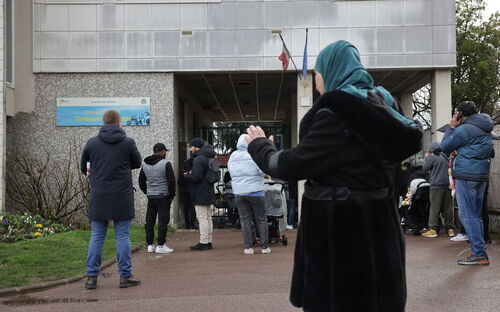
(246, 176)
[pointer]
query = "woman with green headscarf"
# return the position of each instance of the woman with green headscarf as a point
(349, 253)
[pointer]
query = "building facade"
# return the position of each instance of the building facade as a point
(211, 60)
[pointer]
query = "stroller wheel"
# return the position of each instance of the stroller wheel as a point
(284, 240)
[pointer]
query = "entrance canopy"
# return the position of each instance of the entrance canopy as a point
(268, 96)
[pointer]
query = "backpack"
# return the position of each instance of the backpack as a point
(213, 172)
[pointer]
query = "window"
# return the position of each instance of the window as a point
(9, 51)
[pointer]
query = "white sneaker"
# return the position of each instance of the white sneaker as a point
(163, 249)
(151, 248)
(248, 251)
(460, 238)
(289, 227)
(266, 251)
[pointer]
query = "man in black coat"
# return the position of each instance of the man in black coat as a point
(111, 156)
(202, 191)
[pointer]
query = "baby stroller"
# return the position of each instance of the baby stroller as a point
(275, 207)
(415, 208)
(232, 210)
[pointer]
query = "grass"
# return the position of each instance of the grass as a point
(53, 257)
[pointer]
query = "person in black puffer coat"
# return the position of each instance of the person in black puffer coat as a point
(349, 254)
(202, 192)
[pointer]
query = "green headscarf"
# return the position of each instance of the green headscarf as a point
(340, 65)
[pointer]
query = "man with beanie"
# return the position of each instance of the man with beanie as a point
(202, 191)
(157, 181)
(112, 156)
(470, 134)
(440, 195)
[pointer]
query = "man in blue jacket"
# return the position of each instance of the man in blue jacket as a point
(470, 134)
(112, 156)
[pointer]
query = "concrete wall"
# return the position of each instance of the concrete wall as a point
(2, 110)
(236, 34)
(494, 194)
(38, 132)
(21, 97)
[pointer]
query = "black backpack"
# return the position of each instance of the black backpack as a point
(213, 172)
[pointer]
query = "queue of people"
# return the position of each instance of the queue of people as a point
(350, 253)
(457, 170)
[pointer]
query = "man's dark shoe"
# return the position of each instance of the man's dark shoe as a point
(487, 240)
(210, 246)
(91, 282)
(474, 260)
(129, 282)
(200, 247)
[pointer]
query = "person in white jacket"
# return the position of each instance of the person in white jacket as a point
(248, 187)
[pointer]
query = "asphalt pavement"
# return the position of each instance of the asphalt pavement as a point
(224, 279)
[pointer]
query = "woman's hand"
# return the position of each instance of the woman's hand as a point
(256, 132)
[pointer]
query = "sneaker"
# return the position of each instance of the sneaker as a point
(126, 282)
(289, 227)
(200, 247)
(460, 238)
(430, 233)
(248, 251)
(151, 248)
(163, 249)
(210, 246)
(450, 232)
(266, 250)
(474, 260)
(91, 282)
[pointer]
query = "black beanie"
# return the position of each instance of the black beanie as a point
(197, 142)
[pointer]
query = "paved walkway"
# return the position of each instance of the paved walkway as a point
(224, 279)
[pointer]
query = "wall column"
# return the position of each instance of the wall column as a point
(440, 101)
(304, 103)
(406, 102)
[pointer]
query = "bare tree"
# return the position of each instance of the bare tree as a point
(422, 105)
(43, 186)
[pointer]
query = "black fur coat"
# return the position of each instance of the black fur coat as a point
(349, 255)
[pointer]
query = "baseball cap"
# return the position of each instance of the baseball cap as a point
(159, 147)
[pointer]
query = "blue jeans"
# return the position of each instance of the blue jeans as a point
(123, 250)
(470, 196)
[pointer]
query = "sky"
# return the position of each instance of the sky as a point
(491, 7)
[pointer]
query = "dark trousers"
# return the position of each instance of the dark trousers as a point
(253, 208)
(160, 207)
(189, 212)
(441, 204)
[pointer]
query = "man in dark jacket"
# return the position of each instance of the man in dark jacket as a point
(470, 134)
(112, 156)
(157, 181)
(440, 194)
(202, 192)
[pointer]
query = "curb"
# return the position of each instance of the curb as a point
(24, 289)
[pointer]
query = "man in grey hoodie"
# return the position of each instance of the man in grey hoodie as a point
(440, 195)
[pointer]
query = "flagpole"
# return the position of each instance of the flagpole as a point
(291, 58)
